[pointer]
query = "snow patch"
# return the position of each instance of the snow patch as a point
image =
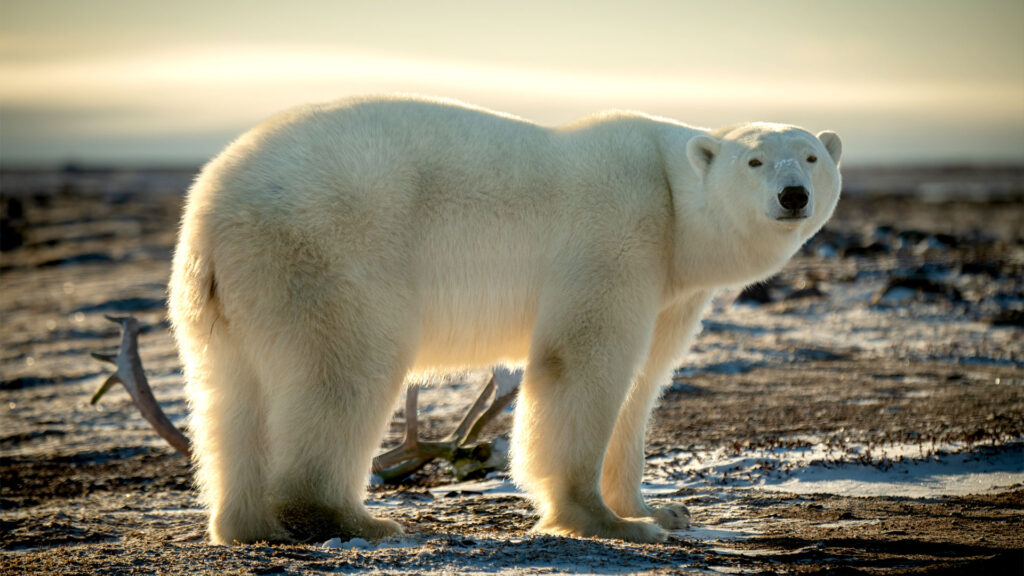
(361, 544)
(491, 487)
(945, 475)
(897, 469)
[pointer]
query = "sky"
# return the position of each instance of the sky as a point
(156, 82)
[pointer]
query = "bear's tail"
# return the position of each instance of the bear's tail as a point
(193, 301)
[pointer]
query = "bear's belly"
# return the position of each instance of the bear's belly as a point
(475, 326)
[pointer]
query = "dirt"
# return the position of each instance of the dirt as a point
(900, 324)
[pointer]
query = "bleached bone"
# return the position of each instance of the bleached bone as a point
(413, 453)
(130, 374)
(395, 464)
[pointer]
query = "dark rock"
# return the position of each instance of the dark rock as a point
(732, 367)
(462, 493)
(819, 354)
(986, 267)
(25, 382)
(687, 388)
(87, 258)
(918, 283)
(932, 271)
(13, 209)
(12, 224)
(873, 249)
(1008, 318)
(912, 236)
(834, 238)
(925, 285)
(715, 326)
(125, 305)
(947, 239)
(11, 237)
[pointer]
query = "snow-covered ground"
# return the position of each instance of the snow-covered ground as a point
(898, 469)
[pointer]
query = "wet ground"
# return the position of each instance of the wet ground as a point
(861, 413)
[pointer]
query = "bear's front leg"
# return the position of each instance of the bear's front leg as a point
(676, 328)
(579, 373)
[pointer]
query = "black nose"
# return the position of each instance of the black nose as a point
(793, 197)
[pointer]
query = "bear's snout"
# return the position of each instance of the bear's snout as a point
(793, 199)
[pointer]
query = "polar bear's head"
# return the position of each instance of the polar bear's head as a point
(771, 179)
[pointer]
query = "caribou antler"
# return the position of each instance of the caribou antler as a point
(409, 456)
(412, 454)
(130, 373)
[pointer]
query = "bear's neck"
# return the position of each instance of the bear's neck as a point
(714, 251)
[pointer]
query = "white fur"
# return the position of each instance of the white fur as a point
(335, 249)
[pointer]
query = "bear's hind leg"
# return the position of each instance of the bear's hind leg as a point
(329, 409)
(228, 440)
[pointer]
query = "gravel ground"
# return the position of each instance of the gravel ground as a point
(891, 343)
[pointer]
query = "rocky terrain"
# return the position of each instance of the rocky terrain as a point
(863, 412)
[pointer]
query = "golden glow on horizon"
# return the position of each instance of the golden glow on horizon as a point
(112, 68)
(261, 80)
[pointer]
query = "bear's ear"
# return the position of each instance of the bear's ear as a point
(701, 150)
(832, 143)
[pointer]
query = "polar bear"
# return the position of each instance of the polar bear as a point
(335, 249)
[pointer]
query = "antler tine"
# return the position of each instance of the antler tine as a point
(412, 418)
(131, 374)
(111, 358)
(110, 381)
(475, 410)
(505, 393)
(410, 443)
(126, 322)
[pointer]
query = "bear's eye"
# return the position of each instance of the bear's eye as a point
(812, 159)
(754, 163)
